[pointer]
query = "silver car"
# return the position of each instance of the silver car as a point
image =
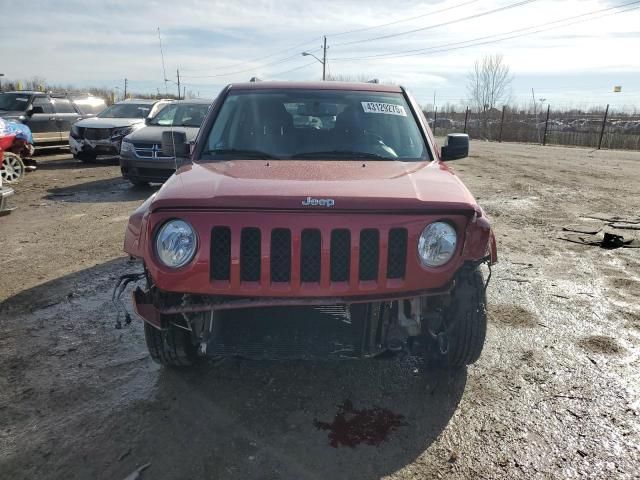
(100, 137)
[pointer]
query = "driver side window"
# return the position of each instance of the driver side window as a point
(44, 105)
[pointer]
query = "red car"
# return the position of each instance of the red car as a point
(316, 220)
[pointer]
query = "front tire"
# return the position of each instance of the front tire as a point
(467, 320)
(171, 347)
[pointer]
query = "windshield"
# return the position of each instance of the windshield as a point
(14, 102)
(327, 124)
(181, 115)
(127, 110)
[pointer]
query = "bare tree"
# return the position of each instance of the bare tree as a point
(489, 85)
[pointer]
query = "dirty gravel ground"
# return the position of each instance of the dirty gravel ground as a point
(555, 394)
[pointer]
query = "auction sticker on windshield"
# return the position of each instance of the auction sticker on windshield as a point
(386, 108)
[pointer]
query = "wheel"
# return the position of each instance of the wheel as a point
(12, 169)
(139, 183)
(467, 318)
(171, 347)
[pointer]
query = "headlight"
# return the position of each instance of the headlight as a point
(437, 244)
(126, 147)
(121, 132)
(176, 243)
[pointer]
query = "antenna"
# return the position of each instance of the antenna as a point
(164, 71)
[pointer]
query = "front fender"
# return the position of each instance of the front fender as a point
(480, 239)
(135, 235)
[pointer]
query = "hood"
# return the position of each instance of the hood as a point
(95, 122)
(289, 184)
(153, 134)
(10, 114)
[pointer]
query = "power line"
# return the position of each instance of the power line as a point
(293, 69)
(456, 45)
(408, 19)
(429, 27)
(251, 69)
(224, 67)
(259, 59)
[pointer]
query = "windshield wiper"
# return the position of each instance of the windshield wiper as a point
(341, 153)
(241, 152)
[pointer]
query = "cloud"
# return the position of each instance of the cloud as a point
(216, 42)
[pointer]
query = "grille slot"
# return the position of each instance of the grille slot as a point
(397, 255)
(369, 252)
(280, 255)
(310, 260)
(340, 255)
(250, 255)
(97, 133)
(221, 253)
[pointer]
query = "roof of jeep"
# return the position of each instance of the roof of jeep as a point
(203, 101)
(368, 87)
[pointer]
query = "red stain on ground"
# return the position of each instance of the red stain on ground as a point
(352, 427)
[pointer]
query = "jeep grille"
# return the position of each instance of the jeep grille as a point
(281, 249)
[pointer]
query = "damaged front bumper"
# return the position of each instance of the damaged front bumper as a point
(308, 328)
(157, 315)
(107, 149)
(5, 194)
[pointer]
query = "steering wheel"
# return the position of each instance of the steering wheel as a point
(375, 142)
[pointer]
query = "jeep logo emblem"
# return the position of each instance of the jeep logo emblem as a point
(320, 202)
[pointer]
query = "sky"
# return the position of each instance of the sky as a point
(213, 43)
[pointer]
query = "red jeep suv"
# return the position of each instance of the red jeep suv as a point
(315, 220)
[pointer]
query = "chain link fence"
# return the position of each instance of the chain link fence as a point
(596, 129)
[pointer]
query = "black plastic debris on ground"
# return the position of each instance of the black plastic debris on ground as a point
(609, 241)
(591, 234)
(352, 427)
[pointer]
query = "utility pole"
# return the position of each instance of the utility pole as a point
(324, 59)
(178, 74)
(434, 100)
(125, 89)
(307, 54)
(546, 124)
(604, 124)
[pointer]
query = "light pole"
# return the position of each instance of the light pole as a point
(175, 83)
(324, 58)
(1, 75)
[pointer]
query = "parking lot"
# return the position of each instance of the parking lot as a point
(556, 393)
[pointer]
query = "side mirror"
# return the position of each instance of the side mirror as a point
(174, 144)
(147, 120)
(36, 109)
(456, 147)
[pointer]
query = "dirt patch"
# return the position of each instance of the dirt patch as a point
(65, 370)
(625, 284)
(633, 319)
(512, 315)
(601, 344)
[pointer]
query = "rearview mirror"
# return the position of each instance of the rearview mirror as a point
(174, 144)
(456, 147)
